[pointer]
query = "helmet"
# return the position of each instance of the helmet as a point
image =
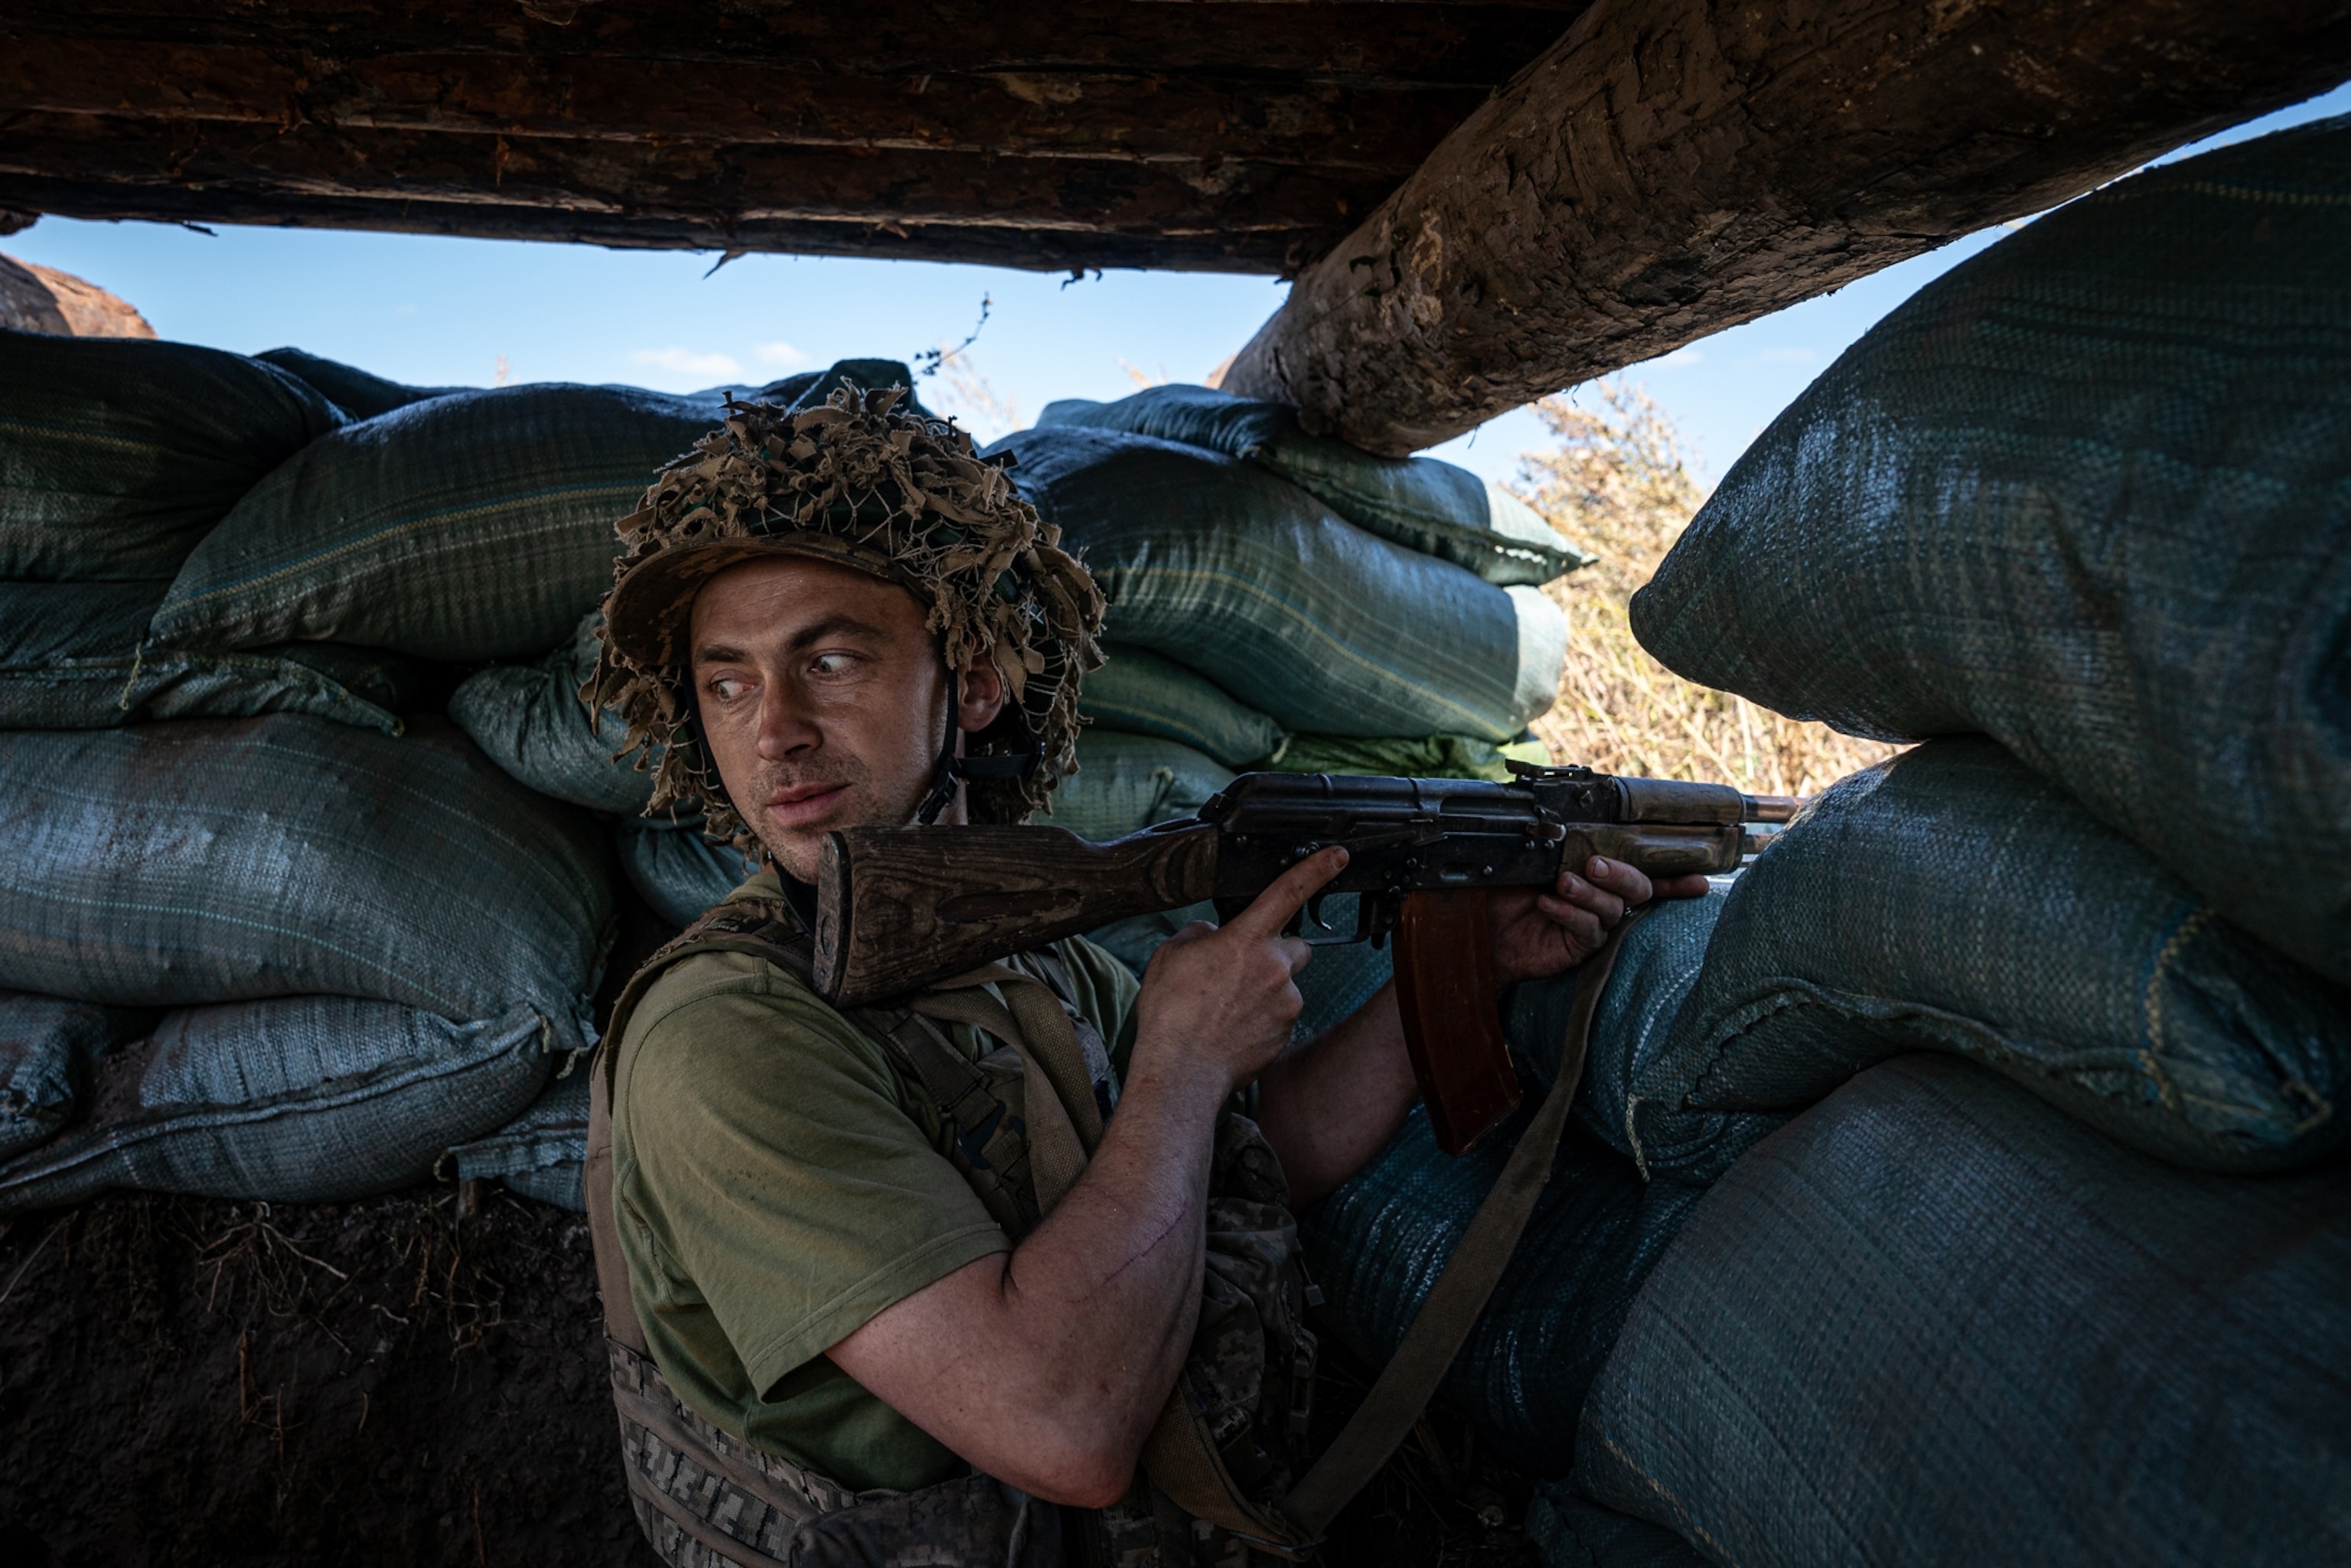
(855, 482)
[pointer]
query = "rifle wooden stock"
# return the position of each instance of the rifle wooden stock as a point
(1452, 1023)
(929, 902)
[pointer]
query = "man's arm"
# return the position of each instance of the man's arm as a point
(1047, 1367)
(1332, 1104)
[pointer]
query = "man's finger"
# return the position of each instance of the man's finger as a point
(1599, 900)
(1300, 953)
(1628, 882)
(1693, 885)
(1580, 922)
(1286, 894)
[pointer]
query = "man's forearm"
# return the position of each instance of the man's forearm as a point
(1086, 1322)
(1329, 1105)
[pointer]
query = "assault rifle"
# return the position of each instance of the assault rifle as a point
(901, 907)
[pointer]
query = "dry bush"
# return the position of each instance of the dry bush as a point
(963, 394)
(1616, 483)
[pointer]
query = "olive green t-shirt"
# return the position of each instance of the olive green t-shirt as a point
(776, 1182)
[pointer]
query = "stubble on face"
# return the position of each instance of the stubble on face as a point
(822, 698)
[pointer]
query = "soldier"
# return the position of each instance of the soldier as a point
(916, 1283)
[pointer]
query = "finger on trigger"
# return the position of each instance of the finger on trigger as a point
(1286, 894)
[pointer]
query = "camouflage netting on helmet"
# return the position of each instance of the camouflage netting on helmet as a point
(897, 494)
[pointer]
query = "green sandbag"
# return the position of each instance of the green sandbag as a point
(1235, 572)
(71, 659)
(529, 720)
(541, 1153)
(1141, 693)
(1124, 783)
(290, 1100)
(48, 1047)
(348, 388)
(221, 859)
(117, 454)
(1952, 901)
(675, 869)
(1934, 1323)
(1569, 1532)
(2089, 493)
(1426, 757)
(474, 527)
(1417, 502)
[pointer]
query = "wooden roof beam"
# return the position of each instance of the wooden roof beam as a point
(1670, 168)
(1130, 117)
(1400, 45)
(1229, 216)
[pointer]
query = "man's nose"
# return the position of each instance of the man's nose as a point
(787, 728)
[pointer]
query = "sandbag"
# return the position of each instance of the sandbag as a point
(1951, 900)
(1419, 502)
(217, 860)
(117, 454)
(1934, 1321)
(354, 390)
(472, 527)
(1377, 1245)
(541, 1153)
(529, 720)
(293, 1100)
(70, 658)
(2089, 493)
(48, 1047)
(675, 869)
(1568, 1532)
(1235, 572)
(1655, 971)
(1124, 783)
(1143, 694)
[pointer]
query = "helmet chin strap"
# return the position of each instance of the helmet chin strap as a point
(950, 769)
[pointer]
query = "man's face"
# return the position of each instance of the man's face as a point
(823, 700)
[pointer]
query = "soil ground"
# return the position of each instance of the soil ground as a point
(194, 1382)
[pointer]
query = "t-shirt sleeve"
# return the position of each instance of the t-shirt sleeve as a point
(1105, 991)
(785, 1173)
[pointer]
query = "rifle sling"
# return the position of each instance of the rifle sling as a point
(1411, 1376)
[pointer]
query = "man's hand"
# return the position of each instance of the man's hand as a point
(1225, 998)
(1536, 934)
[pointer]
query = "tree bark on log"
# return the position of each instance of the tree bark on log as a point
(1670, 168)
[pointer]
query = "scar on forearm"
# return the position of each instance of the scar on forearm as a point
(1147, 1249)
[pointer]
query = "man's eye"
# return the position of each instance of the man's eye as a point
(726, 688)
(833, 664)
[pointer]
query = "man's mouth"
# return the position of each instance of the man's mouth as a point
(802, 803)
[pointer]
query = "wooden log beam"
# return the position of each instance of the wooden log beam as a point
(1006, 244)
(1132, 117)
(1371, 46)
(1267, 216)
(1673, 167)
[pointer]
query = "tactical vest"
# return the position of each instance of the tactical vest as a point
(1023, 1118)
(1221, 1478)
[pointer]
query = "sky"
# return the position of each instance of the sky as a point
(457, 312)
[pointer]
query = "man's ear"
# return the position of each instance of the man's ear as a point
(981, 689)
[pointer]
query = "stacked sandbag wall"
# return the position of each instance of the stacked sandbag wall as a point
(2017, 1066)
(315, 551)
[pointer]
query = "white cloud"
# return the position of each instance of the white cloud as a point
(781, 354)
(1681, 357)
(685, 362)
(1782, 357)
